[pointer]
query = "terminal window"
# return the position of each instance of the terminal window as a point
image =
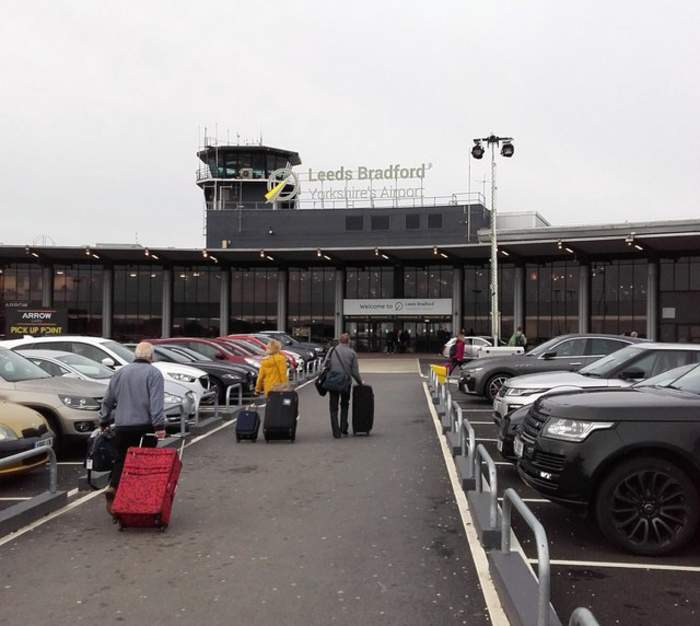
(435, 220)
(413, 221)
(353, 222)
(380, 222)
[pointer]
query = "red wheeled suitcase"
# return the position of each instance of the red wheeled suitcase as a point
(146, 490)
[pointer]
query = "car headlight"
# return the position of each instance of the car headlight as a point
(81, 402)
(251, 361)
(518, 391)
(572, 430)
(230, 377)
(183, 378)
(171, 398)
(318, 350)
(7, 434)
(472, 370)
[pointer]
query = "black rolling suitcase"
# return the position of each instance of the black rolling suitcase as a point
(247, 424)
(362, 409)
(281, 414)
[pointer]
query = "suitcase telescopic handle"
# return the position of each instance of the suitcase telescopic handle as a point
(147, 435)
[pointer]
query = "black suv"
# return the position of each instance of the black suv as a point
(631, 457)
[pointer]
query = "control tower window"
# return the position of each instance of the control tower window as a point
(259, 165)
(435, 220)
(231, 165)
(380, 222)
(353, 222)
(412, 221)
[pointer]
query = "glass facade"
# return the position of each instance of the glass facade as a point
(369, 282)
(196, 295)
(238, 164)
(19, 282)
(551, 300)
(311, 303)
(679, 295)
(253, 300)
(427, 282)
(476, 304)
(78, 289)
(619, 297)
(138, 302)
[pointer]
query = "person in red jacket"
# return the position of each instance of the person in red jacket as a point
(457, 353)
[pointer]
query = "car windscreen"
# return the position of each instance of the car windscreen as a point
(85, 366)
(545, 347)
(14, 367)
(121, 351)
(603, 368)
(689, 382)
(666, 378)
(162, 353)
(193, 355)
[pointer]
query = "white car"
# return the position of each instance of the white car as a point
(481, 347)
(114, 355)
(621, 368)
(178, 399)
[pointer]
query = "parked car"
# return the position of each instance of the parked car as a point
(178, 400)
(293, 357)
(211, 349)
(114, 355)
(290, 342)
(22, 429)
(630, 457)
(69, 406)
(478, 347)
(510, 424)
(484, 377)
(619, 369)
(301, 353)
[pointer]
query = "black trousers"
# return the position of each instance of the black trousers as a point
(344, 398)
(124, 438)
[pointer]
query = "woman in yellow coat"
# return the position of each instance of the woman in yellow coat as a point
(273, 369)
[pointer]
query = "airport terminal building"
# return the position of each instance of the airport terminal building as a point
(370, 259)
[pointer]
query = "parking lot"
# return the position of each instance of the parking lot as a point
(619, 588)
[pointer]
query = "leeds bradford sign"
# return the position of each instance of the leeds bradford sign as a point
(401, 306)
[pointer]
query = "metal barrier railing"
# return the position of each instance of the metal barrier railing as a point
(27, 454)
(582, 617)
(481, 454)
(229, 391)
(512, 499)
(467, 441)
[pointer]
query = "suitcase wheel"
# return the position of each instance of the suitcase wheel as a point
(163, 528)
(238, 439)
(254, 439)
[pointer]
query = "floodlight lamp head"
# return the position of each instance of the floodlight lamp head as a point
(508, 149)
(477, 150)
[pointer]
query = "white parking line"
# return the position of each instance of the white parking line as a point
(487, 440)
(470, 410)
(482, 423)
(534, 500)
(620, 565)
(13, 499)
(493, 603)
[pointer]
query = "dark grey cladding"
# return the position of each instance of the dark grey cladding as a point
(327, 228)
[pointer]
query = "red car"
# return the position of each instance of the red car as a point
(212, 349)
(256, 342)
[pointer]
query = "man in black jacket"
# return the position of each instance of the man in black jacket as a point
(342, 359)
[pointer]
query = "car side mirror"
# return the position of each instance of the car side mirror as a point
(220, 356)
(549, 355)
(632, 374)
(108, 362)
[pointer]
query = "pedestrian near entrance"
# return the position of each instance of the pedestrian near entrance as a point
(518, 338)
(273, 375)
(134, 404)
(456, 353)
(340, 369)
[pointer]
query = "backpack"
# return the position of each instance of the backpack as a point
(101, 453)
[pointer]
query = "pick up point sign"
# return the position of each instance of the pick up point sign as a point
(35, 322)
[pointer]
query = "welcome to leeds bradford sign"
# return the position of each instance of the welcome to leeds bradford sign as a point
(402, 306)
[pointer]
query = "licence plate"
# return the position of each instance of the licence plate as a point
(44, 443)
(498, 407)
(518, 447)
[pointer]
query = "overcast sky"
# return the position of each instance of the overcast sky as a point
(101, 106)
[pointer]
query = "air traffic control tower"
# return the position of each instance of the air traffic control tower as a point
(236, 176)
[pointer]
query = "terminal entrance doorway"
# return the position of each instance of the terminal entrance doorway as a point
(418, 336)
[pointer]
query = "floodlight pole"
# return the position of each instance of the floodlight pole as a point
(495, 317)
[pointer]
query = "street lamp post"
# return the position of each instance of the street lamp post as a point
(507, 151)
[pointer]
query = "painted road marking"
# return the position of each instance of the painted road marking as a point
(620, 565)
(535, 500)
(13, 499)
(493, 603)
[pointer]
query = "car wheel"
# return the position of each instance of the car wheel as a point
(648, 506)
(494, 384)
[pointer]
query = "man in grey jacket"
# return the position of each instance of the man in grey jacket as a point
(342, 358)
(134, 402)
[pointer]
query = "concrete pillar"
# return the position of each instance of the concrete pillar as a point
(584, 298)
(339, 296)
(107, 300)
(167, 311)
(457, 298)
(282, 290)
(518, 297)
(224, 300)
(47, 286)
(652, 299)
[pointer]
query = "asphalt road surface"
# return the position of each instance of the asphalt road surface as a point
(362, 530)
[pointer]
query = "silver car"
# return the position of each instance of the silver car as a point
(619, 369)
